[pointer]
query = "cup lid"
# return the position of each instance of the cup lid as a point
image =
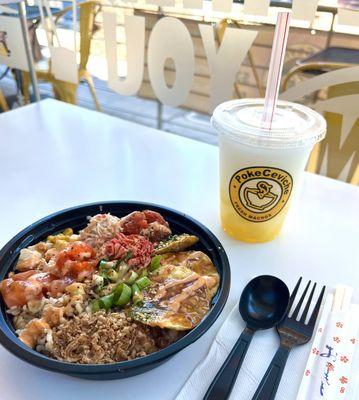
(293, 125)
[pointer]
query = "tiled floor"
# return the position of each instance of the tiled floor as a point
(175, 120)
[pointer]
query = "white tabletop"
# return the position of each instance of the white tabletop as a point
(54, 156)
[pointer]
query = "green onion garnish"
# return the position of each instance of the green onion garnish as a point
(95, 305)
(112, 275)
(135, 289)
(103, 264)
(132, 277)
(155, 263)
(143, 282)
(106, 302)
(122, 270)
(137, 296)
(144, 273)
(122, 294)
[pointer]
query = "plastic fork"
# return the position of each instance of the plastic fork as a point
(292, 332)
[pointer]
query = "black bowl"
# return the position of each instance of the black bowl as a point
(76, 218)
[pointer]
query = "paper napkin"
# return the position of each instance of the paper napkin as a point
(330, 372)
(259, 356)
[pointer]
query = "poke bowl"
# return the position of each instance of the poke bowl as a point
(110, 290)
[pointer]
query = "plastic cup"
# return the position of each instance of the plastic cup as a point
(261, 169)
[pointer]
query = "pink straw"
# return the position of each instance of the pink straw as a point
(275, 67)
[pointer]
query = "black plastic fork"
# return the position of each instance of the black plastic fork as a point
(292, 332)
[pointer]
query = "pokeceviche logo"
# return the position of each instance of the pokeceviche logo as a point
(259, 193)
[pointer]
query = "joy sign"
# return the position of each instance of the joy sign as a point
(170, 38)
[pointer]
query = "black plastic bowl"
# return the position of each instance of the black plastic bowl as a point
(76, 218)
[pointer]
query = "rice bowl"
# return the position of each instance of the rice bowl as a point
(148, 342)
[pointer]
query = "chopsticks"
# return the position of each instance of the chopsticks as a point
(327, 373)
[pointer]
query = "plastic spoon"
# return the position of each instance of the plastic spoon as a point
(263, 304)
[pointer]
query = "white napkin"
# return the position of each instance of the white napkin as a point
(260, 353)
(330, 372)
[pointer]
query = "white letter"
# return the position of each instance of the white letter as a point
(171, 39)
(193, 4)
(225, 62)
(348, 17)
(16, 57)
(256, 7)
(162, 3)
(304, 10)
(222, 5)
(135, 43)
(64, 64)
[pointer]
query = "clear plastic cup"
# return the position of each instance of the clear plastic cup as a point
(261, 169)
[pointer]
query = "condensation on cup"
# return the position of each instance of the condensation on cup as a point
(260, 169)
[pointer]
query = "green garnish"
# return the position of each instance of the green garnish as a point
(112, 275)
(99, 288)
(137, 296)
(155, 263)
(106, 270)
(95, 306)
(104, 264)
(104, 275)
(122, 295)
(106, 302)
(130, 285)
(130, 280)
(144, 273)
(122, 270)
(135, 289)
(143, 282)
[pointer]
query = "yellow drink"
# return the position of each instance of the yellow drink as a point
(245, 230)
(260, 170)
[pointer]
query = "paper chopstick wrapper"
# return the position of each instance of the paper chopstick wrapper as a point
(327, 375)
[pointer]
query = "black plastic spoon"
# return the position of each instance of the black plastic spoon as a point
(263, 304)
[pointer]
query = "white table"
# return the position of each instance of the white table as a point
(54, 156)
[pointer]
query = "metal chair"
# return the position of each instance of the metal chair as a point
(312, 68)
(3, 103)
(331, 148)
(66, 91)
